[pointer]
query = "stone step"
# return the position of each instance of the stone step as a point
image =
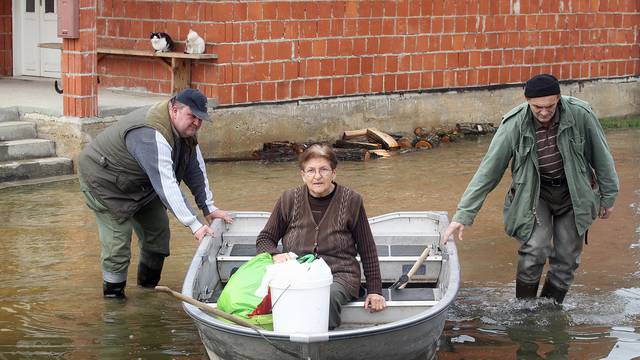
(35, 168)
(15, 130)
(26, 149)
(9, 114)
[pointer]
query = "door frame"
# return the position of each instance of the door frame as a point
(16, 37)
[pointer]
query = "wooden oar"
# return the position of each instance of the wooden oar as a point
(208, 308)
(404, 279)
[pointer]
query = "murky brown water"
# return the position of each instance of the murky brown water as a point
(50, 282)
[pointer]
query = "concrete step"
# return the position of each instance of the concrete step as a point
(35, 168)
(9, 114)
(26, 149)
(14, 130)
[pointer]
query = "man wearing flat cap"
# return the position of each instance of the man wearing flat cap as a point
(563, 178)
(130, 174)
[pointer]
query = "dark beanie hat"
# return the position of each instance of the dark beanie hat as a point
(541, 85)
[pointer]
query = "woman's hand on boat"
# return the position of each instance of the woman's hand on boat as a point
(453, 229)
(280, 258)
(375, 303)
(202, 232)
(219, 214)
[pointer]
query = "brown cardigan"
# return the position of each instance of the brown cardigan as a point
(340, 235)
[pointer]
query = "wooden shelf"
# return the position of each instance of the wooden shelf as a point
(169, 54)
(57, 46)
(179, 64)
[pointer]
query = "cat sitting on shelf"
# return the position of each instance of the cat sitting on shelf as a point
(161, 42)
(195, 44)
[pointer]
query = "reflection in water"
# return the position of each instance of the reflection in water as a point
(538, 329)
(50, 282)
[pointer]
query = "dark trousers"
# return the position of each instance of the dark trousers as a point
(151, 225)
(554, 238)
(338, 297)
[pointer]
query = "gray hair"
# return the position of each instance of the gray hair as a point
(322, 151)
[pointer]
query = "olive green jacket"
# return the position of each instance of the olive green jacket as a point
(588, 165)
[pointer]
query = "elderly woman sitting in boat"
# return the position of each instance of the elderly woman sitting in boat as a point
(327, 219)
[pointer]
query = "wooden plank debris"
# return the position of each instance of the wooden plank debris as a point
(423, 144)
(421, 132)
(378, 136)
(470, 128)
(379, 153)
(279, 151)
(404, 143)
(350, 144)
(350, 134)
(353, 154)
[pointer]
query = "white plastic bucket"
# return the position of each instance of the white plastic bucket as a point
(302, 306)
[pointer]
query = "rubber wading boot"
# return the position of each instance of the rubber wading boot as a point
(113, 290)
(525, 290)
(148, 277)
(553, 292)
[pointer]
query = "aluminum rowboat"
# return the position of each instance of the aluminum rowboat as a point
(410, 327)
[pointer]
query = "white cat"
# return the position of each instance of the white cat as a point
(195, 44)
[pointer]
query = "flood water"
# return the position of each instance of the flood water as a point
(50, 282)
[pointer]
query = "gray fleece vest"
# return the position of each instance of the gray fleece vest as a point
(112, 174)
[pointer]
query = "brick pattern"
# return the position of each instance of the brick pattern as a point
(6, 41)
(285, 50)
(79, 73)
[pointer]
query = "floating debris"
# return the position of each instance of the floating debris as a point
(463, 339)
(371, 143)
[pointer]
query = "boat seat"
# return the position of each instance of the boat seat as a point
(383, 250)
(395, 260)
(406, 294)
(246, 250)
(401, 303)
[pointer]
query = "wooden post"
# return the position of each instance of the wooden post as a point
(181, 78)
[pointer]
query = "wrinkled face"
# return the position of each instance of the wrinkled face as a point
(543, 108)
(317, 174)
(186, 124)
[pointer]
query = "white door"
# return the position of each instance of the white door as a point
(39, 25)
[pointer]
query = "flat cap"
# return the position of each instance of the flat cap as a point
(196, 101)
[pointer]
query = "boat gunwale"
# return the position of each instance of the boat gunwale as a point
(411, 321)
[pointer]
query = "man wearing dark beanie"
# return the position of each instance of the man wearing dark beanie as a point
(563, 179)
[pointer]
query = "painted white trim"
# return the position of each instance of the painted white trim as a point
(16, 37)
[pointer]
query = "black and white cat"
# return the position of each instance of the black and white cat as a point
(161, 42)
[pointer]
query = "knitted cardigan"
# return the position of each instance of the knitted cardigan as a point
(339, 236)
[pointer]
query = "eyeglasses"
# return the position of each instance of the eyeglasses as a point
(310, 172)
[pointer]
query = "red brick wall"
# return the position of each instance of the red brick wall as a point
(284, 50)
(6, 53)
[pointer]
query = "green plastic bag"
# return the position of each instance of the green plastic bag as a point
(237, 297)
